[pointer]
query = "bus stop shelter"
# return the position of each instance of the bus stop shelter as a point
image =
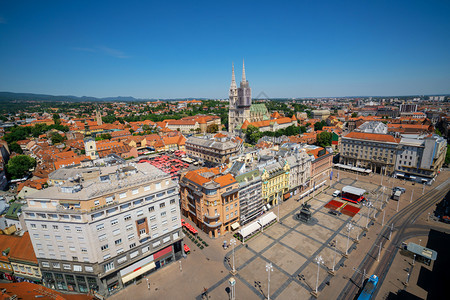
(423, 254)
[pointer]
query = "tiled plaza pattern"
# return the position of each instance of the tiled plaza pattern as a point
(291, 246)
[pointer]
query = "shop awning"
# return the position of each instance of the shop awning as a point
(286, 196)
(138, 272)
(235, 225)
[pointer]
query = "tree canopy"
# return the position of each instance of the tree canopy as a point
(324, 139)
(19, 166)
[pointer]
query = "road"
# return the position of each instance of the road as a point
(404, 228)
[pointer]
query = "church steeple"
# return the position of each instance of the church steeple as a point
(243, 72)
(233, 78)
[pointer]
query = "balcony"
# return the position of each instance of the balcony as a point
(212, 217)
(213, 225)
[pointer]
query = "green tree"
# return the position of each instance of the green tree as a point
(447, 156)
(19, 166)
(252, 134)
(56, 119)
(324, 139)
(319, 125)
(56, 138)
(213, 128)
(354, 115)
(303, 129)
(14, 147)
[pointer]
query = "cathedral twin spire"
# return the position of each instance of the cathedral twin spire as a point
(233, 78)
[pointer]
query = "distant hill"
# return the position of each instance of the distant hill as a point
(8, 96)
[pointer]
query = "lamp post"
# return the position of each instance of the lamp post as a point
(319, 261)
(334, 260)
(414, 259)
(278, 206)
(232, 283)
(233, 243)
(412, 193)
(349, 228)
(398, 203)
(269, 269)
(379, 252)
(369, 205)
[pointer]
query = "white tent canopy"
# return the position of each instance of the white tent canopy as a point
(249, 229)
(266, 219)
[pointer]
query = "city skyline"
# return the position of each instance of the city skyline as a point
(156, 51)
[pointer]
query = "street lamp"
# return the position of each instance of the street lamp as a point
(369, 205)
(334, 261)
(414, 259)
(412, 193)
(269, 269)
(233, 243)
(382, 173)
(349, 228)
(319, 261)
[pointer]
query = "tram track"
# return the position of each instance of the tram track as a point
(402, 221)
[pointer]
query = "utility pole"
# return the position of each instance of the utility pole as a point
(269, 269)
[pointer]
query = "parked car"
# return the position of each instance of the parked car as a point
(336, 193)
(402, 190)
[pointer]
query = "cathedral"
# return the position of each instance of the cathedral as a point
(241, 108)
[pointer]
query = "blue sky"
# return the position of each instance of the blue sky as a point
(169, 49)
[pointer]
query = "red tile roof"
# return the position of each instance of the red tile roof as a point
(372, 136)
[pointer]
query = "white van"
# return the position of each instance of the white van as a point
(336, 193)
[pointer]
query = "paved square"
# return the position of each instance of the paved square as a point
(284, 258)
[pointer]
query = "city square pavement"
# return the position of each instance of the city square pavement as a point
(289, 245)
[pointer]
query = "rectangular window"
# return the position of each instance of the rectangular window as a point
(132, 245)
(145, 249)
(109, 266)
(120, 251)
(118, 242)
(33, 226)
(156, 244)
(102, 237)
(172, 201)
(142, 231)
(134, 192)
(77, 268)
(151, 208)
(154, 227)
(160, 195)
(147, 188)
(131, 236)
(46, 236)
(175, 235)
(104, 247)
(122, 195)
(100, 227)
(109, 200)
(56, 265)
(164, 222)
(44, 226)
(84, 250)
(45, 264)
(125, 206)
(139, 213)
(122, 259)
(105, 257)
(127, 217)
(161, 205)
(137, 202)
(152, 218)
(173, 210)
(158, 185)
(163, 214)
(166, 239)
(66, 267)
(78, 229)
(149, 198)
(114, 222)
(116, 232)
(174, 218)
(171, 191)
(89, 269)
(72, 248)
(58, 237)
(96, 202)
(129, 227)
(134, 254)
